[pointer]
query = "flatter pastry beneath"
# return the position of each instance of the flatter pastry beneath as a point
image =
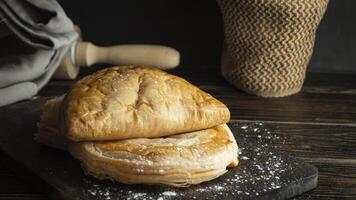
(179, 160)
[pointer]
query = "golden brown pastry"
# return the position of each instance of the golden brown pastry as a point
(49, 125)
(133, 102)
(129, 105)
(179, 160)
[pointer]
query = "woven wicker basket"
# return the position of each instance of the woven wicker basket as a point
(268, 43)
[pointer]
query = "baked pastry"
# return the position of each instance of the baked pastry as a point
(112, 119)
(49, 125)
(133, 102)
(179, 160)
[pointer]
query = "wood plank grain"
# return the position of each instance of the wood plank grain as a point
(325, 98)
(332, 149)
(301, 107)
(317, 125)
(62, 174)
(12, 187)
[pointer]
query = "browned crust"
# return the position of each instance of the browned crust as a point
(115, 103)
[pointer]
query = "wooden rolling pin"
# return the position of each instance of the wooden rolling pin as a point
(84, 54)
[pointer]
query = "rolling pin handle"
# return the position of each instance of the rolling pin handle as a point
(163, 57)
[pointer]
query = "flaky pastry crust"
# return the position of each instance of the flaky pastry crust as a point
(135, 101)
(179, 160)
(141, 125)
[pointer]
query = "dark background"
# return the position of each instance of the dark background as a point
(195, 29)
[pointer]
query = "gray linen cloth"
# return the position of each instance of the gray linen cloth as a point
(34, 36)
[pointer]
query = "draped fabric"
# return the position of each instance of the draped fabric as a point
(34, 36)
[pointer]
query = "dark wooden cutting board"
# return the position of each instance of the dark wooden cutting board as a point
(263, 173)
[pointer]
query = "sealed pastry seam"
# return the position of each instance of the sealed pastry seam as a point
(180, 131)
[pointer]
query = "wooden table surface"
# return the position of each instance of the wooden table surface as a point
(318, 125)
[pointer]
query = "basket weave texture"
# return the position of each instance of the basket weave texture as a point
(268, 43)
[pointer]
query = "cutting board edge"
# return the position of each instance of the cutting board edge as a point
(310, 183)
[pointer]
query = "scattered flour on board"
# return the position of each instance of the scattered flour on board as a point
(169, 193)
(262, 167)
